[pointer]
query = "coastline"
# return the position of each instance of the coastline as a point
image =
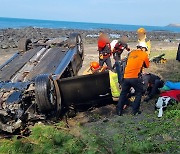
(56, 24)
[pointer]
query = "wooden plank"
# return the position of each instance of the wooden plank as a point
(48, 63)
(7, 72)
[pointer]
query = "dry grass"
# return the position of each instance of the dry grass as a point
(168, 71)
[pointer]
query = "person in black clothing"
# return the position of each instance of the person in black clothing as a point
(151, 85)
(178, 54)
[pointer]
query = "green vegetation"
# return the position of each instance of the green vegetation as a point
(145, 133)
(44, 139)
(169, 54)
(137, 135)
(122, 135)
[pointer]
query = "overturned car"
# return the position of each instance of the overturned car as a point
(29, 79)
(41, 79)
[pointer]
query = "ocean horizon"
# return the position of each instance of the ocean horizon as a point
(22, 23)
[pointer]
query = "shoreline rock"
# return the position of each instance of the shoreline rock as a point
(9, 37)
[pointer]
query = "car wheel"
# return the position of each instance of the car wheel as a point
(76, 40)
(24, 44)
(46, 95)
(80, 46)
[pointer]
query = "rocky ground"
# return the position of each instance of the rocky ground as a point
(9, 40)
(9, 37)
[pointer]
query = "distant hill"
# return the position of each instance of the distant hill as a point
(173, 25)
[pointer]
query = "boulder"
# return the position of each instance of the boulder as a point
(4, 46)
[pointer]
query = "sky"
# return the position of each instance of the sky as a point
(131, 12)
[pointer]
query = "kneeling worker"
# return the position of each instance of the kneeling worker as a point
(137, 59)
(152, 83)
(94, 67)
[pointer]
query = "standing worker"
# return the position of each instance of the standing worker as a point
(137, 59)
(119, 48)
(104, 49)
(141, 34)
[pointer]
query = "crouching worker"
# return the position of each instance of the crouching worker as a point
(104, 49)
(137, 59)
(152, 83)
(94, 67)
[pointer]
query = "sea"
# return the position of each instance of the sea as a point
(21, 23)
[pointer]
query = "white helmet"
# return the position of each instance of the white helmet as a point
(142, 45)
(113, 43)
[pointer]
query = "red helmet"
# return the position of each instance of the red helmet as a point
(94, 65)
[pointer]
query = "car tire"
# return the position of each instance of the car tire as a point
(76, 40)
(24, 44)
(80, 46)
(45, 93)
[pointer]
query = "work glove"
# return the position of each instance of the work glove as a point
(100, 56)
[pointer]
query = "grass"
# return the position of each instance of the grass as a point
(127, 134)
(169, 70)
(44, 139)
(51, 140)
(150, 135)
(169, 54)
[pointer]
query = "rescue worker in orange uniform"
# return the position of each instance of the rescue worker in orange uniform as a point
(104, 49)
(137, 59)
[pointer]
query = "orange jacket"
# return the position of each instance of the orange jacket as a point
(137, 59)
